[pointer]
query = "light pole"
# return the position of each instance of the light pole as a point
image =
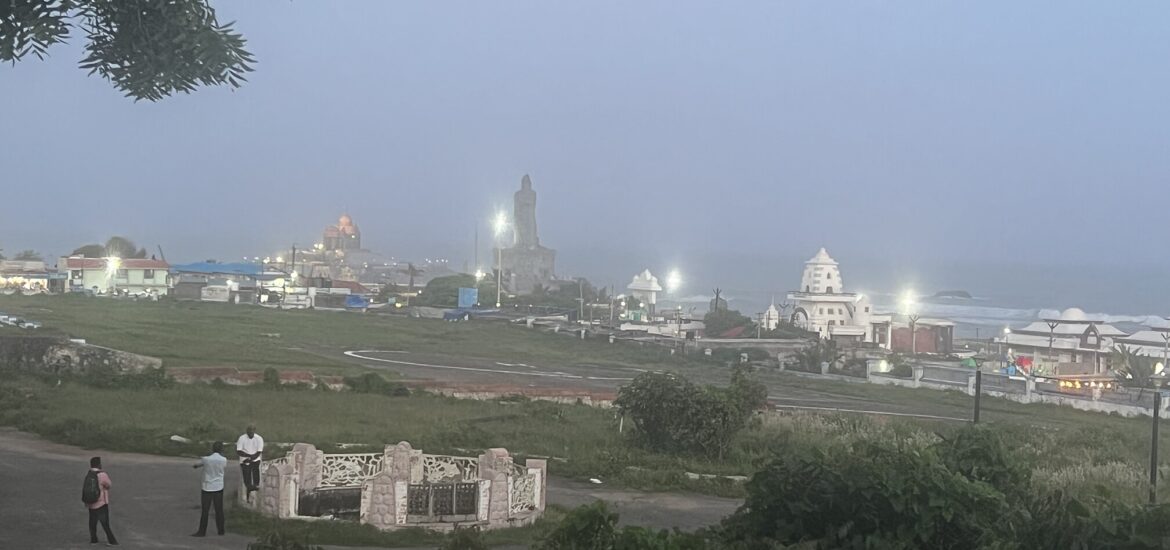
(1007, 331)
(500, 225)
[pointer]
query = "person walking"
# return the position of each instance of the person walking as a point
(250, 449)
(212, 488)
(95, 493)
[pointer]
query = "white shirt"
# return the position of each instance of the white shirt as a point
(213, 465)
(250, 445)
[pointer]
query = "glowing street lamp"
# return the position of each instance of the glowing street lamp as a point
(673, 281)
(499, 226)
(911, 311)
(113, 264)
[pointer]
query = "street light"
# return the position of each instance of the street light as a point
(1007, 331)
(673, 281)
(912, 315)
(499, 226)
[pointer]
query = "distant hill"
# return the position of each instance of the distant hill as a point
(953, 294)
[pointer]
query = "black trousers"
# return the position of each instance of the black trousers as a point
(209, 498)
(251, 474)
(101, 515)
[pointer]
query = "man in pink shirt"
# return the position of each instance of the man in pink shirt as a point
(99, 510)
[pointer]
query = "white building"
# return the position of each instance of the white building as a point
(1154, 341)
(116, 275)
(644, 289)
(771, 317)
(1072, 343)
(822, 305)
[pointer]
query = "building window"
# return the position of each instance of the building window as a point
(122, 273)
(147, 273)
(822, 311)
(867, 309)
(830, 290)
(75, 274)
(832, 323)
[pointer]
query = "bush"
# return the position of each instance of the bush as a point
(374, 383)
(107, 378)
(671, 414)
(870, 494)
(276, 540)
(594, 527)
(468, 538)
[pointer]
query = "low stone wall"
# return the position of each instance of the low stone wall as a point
(236, 377)
(57, 355)
(506, 494)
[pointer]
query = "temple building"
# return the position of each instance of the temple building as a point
(644, 289)
(526, 263)
(1072, 343)
(343, 236)
(822, 305)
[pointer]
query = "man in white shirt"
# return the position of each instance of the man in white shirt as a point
(212, 489)
(250, 448)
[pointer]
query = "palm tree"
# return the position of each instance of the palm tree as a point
(412, 272)
(822, 351)
(1131, 368)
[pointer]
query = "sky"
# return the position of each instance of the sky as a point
(941, 144)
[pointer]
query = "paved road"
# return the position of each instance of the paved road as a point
(155, 500)
(586, 377)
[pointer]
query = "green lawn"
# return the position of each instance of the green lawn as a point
(194, 334)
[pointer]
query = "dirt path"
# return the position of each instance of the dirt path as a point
(154, 502)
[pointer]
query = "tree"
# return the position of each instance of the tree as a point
(810, 358)
(28, 256)
(413, 272)
(444, 291)
(719, 321)
(122, 247)
(148, 49)
(1131, 368)
(90, 251)
(672, 414)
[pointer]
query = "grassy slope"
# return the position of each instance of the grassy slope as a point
(188, 334)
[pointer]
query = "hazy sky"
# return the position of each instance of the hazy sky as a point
(910, 134)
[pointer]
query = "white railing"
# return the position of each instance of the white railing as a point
(349, 470)
(439, 468)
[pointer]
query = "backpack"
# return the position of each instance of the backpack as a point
(91, 490)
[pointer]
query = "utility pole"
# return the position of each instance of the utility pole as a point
(580, 298)
(1154, 447)
(913, 334)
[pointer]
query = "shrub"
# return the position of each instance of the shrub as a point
(594, 527)
(108, 379)
(276, 540)
(870, 494)
(468, 538)
(671, 414)
(374, 383)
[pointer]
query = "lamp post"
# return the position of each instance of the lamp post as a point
(1002, 355)
(912, 316)
(500, 225)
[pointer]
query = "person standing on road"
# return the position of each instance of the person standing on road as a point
(212, 489)
(250, 448)
(95, 493)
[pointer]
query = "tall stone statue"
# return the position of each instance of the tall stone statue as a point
(524, 214)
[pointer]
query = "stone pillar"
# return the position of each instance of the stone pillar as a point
(495, 466)
(917, 370)
(307, 462)
(379, 505)
(824, 367)
(404, 462)
(1029, 388)
(970, 384)
(582, 334)
(1096, 394)
(541, 481)
(611, 338)
(278, 494)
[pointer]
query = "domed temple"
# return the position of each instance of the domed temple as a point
(343, 236)
(822, 305)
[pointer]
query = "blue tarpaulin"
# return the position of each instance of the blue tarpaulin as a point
(354, 301)
(468, 297)
(208, 268)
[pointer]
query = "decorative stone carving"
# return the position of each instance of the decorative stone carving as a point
(349, 470)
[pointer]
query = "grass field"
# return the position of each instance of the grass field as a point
(195, 334)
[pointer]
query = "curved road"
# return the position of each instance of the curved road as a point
(154, 502)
